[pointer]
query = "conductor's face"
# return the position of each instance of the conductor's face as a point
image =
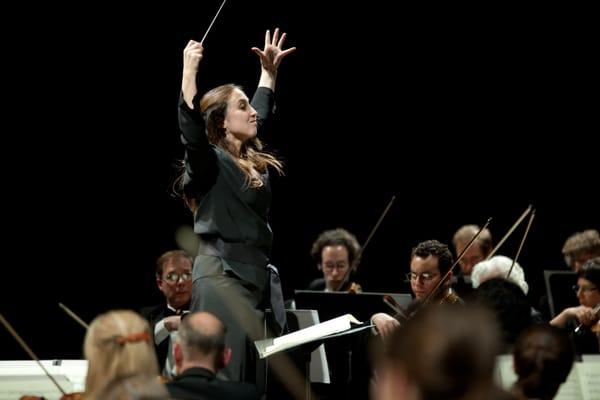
(240, 117)
(424, 275)
(335, 266)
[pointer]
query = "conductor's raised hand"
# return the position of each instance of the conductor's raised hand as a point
(192, 55)
(272, 54)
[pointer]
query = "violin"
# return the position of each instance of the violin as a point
(354, 288)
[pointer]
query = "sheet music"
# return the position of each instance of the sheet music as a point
(571, 388)
(311, 333)
(319, 369)
(505, 375)
(583, 382)
(589, 379)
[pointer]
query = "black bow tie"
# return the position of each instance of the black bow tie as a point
(170, 312)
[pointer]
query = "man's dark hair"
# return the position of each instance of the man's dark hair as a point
(590, 270)
(509, 304)
(436, 249)
(335, 237)
(543, 357)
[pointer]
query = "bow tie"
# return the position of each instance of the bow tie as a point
(170, 312)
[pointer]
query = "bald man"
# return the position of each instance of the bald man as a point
(199, 353)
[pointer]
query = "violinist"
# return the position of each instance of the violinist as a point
(582, 321)
(477, 253)
(430, 261)
(335, 252)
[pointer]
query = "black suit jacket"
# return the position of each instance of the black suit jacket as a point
(154, 315)
(202, 384)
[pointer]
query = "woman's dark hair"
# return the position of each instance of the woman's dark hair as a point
(591, 271)
(543, 357)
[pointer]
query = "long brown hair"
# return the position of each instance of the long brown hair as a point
(213, 106)
(251, 157)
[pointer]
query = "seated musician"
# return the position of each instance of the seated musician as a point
(430, 261)
(445, 352)
(585, 316)
(335, 252)
(117, 344)
(199, 353)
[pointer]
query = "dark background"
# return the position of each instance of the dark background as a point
(463, 113)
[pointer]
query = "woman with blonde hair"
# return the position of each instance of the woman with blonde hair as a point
(117, 344)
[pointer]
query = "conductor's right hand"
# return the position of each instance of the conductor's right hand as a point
(192, 55)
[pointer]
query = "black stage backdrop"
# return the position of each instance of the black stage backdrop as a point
(462, 113)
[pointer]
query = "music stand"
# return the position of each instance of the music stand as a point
(309, 357)
(559, 289)
(306, 348)
(347, 356)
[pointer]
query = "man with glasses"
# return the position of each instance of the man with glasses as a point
(582, 320)
(335, 252)
(430, 261)
(174, 280)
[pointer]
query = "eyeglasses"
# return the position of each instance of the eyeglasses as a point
(425, 276)
(584, 289)
(330, 267)
(173, 277)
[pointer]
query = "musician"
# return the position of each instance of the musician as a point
(200, 352)
(335, 252)
(174, 280)
(510, 306)
(117, 344)
(580, 247)
(586, 314)
(542, 360)
(444, 353)
(479, 250)
(430, 261)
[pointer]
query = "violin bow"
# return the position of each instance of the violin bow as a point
(522, 242)
(434, 291)
(213, 21)
(393, 304)
(361, 250)
(25, 347)
(510, 231)
(73, 315)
